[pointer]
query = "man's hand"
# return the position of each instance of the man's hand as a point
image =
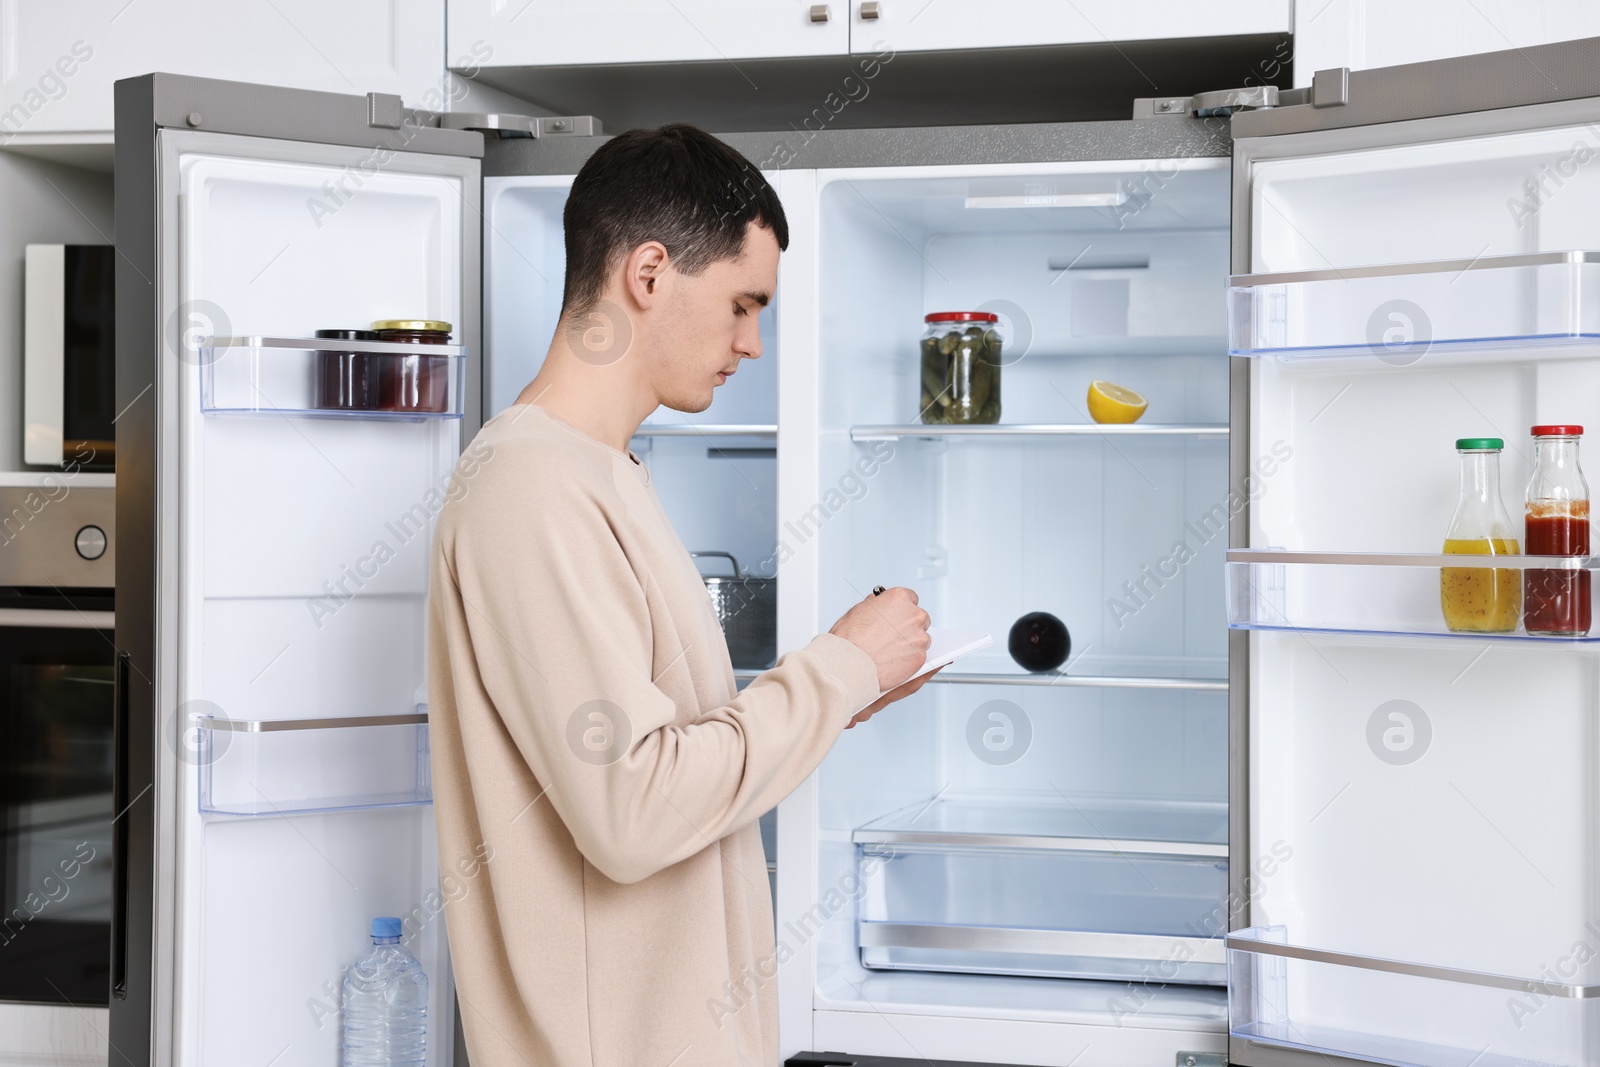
(898, 693)
(892, 629)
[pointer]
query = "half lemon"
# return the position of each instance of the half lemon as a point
(1114, 403)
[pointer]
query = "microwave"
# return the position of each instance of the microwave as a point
(69, 383)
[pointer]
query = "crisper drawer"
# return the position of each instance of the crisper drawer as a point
(1081, 890)
(1335, 1004)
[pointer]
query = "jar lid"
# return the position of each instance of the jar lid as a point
(961, 316)
(427, 325)
(1557, 431)
(1480, 444)
(346, 335)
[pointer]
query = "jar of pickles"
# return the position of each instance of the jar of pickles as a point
(960, 368)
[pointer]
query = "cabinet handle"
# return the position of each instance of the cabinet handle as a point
(870, 10)
(119, 831)
(819, 13)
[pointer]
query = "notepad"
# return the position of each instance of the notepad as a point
(948, 646)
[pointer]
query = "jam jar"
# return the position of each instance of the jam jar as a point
(346, 381)
(414, 383)
(960, 368)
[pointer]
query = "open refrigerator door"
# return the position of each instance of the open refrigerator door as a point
(1414, 264)
(279, 495)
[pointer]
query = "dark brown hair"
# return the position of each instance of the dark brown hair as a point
(678, 185)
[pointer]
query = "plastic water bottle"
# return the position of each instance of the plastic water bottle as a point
(385, 1004)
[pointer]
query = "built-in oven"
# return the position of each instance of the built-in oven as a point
(56, 740)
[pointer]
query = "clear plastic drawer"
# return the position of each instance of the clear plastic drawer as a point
(330, 378)
(1081, 889)
(1400, 311)
(1337, 1004)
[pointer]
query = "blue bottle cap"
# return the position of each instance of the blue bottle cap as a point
(386, 926)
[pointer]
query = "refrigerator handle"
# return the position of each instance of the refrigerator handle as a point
(119, 831)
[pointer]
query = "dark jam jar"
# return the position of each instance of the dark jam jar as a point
(414, 383)
(346, 381)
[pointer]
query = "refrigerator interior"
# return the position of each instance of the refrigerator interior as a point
(1130, 743)
(1425, 799)
(302, 576)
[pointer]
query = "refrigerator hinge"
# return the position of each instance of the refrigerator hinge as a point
(508, 125)
(1202, 1059)
(385, 111)
(1221, 102)
(1330, 88)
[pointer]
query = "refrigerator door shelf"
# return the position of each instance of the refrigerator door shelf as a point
(1543, 305)
(894, 432)
(1389, 1011)
(330, 379)
(1377, 593)
(1115, 890)
(300, 766)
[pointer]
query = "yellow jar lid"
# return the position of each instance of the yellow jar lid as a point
(432, 325)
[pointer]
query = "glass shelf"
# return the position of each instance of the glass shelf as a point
(1411, 1015)
(330, 379)
(268, 767)
(1118, 889)
(895, 431)
(1397, 313)
(762, 430)
(1053, 678)
(1378, 593)
(1090, 681)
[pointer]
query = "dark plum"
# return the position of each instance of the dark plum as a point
(1039, 641)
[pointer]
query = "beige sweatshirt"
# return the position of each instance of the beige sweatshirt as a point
(597, 777)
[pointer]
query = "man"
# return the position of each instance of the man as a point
(597, 776)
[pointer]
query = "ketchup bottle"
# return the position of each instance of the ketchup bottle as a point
(1556, 602)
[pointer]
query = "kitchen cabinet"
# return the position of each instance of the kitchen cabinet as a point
(576, 32)
(62, 59)
(923, 25)
(1360, 34)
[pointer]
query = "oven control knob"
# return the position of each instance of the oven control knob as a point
(90, 542)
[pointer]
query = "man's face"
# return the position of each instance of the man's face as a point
(708, 322)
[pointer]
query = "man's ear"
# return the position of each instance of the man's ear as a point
(642, 272)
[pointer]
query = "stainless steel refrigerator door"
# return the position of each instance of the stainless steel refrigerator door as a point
(1349, 114)
(158, 118)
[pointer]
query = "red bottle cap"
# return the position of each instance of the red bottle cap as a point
(1557, 431)
(961, 316)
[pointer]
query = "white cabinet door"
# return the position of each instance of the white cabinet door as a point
(924, 25)
(1360, 34)
(59, 61)
(539, 33)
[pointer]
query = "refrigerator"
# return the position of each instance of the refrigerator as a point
(1205, 839)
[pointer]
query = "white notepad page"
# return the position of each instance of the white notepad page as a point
(948, 646)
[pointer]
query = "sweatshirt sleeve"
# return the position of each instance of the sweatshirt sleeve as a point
(561, 639)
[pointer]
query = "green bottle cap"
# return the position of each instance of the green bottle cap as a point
(1480, 444)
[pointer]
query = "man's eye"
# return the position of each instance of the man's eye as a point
(738, 309)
